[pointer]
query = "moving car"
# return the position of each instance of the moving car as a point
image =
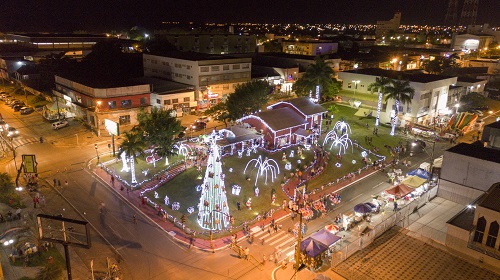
(198, 126)
(12, 132)
(59, 124)
(3, 125)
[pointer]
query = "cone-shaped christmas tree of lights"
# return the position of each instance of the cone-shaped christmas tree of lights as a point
(213, 209)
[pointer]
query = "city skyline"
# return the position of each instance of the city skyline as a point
(92, 15)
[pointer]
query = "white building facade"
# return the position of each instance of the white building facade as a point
(213, 77)
(429, 101)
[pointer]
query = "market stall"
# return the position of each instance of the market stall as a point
(422, 173)
(399, 191)
(312, 252)
(414, 181)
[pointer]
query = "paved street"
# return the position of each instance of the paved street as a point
(146, 250)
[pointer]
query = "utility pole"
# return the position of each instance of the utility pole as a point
(298, 262)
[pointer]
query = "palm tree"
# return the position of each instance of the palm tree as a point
(320, 73)
(380, 86)
(132, 145)
(401, 92)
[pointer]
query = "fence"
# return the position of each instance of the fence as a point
(345, 249)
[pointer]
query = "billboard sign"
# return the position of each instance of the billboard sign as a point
(112, 127)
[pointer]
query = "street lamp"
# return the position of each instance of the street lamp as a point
(96, 152)
(98, 126)
(356, 82)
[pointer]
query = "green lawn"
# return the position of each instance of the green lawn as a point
(182, 188)
(359, 95)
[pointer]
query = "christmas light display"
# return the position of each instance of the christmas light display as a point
(266, 166)
(213, 208)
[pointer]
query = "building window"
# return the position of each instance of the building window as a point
(158, 101)
(126, 103)
(236, 67)
(481, 225)
(144, 101)
(215, 68)
(225, 67)
(124, 119)
(112, 104)
(225, 86)
(186, 99)
(175, 100)
(204, 69)
(491, 240)
(245, 66)
(166, 102)
(177, 65)
(226, 77)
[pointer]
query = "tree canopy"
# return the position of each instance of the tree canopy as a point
(472, 100)
(158, 128)
(320, 73)
(400, 91)
(247, 99)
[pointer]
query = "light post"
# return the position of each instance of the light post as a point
(298, 261)
(96, 152)
(356, 82)
(431, 155)
(98, 126)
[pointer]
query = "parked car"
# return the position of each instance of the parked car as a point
(4, 96)
(59, 124)
(12, 132)
(10, 101)
(17, 102)
(26, 110)
(18, 107)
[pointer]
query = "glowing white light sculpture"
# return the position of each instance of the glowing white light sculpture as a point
(266, 166)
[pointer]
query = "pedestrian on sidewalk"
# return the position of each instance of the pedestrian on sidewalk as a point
(113, 181)
(264, 259)
(247, 253)
(59, 183)
(134, 218)
(66, 183)
(191, 242)
(395, 206)
(55, 182)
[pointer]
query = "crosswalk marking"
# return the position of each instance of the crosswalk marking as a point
(18, 141)
(279, 239)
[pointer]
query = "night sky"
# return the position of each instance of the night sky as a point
(105, 15)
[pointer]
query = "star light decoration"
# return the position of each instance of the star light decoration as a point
(341, 140)
(266, 166)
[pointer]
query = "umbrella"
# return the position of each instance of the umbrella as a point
(371, 205)
(362, 208)
(332, 228)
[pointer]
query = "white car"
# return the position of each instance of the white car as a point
(59, 124)
(478, 112)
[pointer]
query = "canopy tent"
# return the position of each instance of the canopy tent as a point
(399, 191)
(425, 166)
(312, 248)
(414, 181)
(438, 162)
(54, 106)
(420, 173)
(325, 237)
(362, 208)
(364, 112)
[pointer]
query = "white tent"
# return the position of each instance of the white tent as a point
(425, 166)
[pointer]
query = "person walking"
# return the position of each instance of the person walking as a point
(134, 218)
(55, 182)
(395, 206)
(247, 253)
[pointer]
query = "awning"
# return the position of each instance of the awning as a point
(414, 181)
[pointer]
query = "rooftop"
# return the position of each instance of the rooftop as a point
(305, 105)
(492, 199)
(468, 80)
(162, 87)
(476, 151)
(417, 78)
(281, 118)
(193, 56)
